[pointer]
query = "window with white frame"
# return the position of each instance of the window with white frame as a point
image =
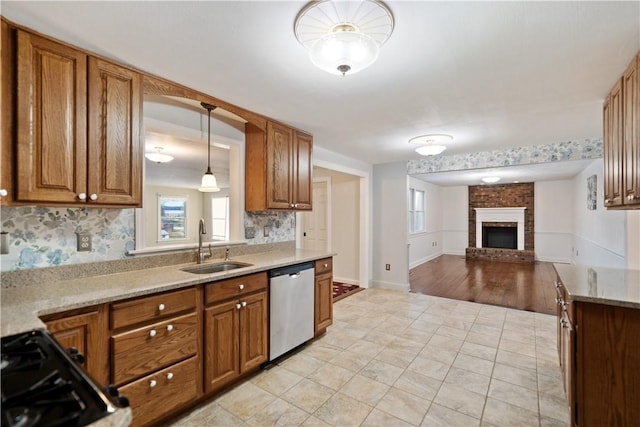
(416, 211)
(172, 218)
(220, 218)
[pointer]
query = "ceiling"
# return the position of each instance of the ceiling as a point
(492, 74)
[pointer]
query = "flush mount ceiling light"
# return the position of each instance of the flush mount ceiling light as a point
(490, 179)
(209, 183)
(343, 36)
(158, 157)
(431, 145)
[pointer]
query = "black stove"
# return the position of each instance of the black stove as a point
(43, 386)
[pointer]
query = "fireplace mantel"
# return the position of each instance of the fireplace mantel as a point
(515, 214)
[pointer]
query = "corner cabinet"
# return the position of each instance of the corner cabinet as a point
(621, 127)
(278, 168)
(77, 126)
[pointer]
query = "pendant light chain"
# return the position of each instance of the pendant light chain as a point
(209, 183)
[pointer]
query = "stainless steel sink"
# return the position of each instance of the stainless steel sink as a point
(215, 267)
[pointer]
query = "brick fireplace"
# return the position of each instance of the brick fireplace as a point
(501, 223)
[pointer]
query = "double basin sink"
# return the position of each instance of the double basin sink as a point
(215, 267)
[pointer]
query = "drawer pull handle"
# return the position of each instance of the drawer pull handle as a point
(152, 333)
(244, 303)
(170, 376)
(153, 383)
(241, 286)
(161, 307)
(238, 306)
(326, 265)
(169, 328)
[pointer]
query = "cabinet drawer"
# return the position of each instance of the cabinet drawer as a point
(324, 266)
(174, 386)
(144, 350)
(238, 286)
(150, 308)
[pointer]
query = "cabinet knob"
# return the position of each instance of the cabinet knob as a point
(241, 286)
(244, 303)
(153, 383)
(238, 306)
(607, 200)
(170, 376)
(558, 284)
(161, 307)
(152, 333)
(82, 196)
(292, 205)
(326, 265)
(93, 196)
(169, 328)
(558, 301)
(631, 197)
(3, 192)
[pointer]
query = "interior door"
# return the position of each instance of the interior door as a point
(315, 222)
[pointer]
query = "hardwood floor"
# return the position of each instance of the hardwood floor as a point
(525, 286)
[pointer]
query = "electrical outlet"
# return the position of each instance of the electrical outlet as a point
(265, 231)
(387, 267)
(84, 242)
(249, 232)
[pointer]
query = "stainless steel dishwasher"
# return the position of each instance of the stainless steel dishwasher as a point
(291, 304)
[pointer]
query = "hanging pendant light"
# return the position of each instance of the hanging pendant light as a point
(209, 183)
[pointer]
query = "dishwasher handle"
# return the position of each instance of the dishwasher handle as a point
(292, 271)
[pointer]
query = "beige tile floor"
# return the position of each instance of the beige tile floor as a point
(401, 359)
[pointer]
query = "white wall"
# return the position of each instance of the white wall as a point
(426, 245)
(389, 242)
(455, 219)
(553, 219)
(600, 236)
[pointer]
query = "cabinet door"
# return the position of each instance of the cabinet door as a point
(323, 302)
(279, 166)
(613, 139)
(51, 121)
(7, 130)
(631, 167)
(84, 332)
(221, 335)
(303, 171)
(115, 148)
(253, 331)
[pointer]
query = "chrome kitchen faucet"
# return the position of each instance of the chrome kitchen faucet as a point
(201, 255)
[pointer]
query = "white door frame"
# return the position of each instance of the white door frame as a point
(365, 218)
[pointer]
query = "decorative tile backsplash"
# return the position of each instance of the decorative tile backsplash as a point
(281, 226)
(555, 152)
(46, 237)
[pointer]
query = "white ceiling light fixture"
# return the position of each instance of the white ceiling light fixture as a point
(490, 179)
(158, 156)
(431, 145)
(209, 182)
(343, 36)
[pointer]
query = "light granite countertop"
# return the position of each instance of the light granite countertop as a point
(22, 306)
(600, 285)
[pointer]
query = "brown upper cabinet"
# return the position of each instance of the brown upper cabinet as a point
(71, 131)
(621, 125)
(278, 167)
(77, 126)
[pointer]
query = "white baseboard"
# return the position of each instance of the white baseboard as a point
(390, 285)
(462, 252)
(558, 260)
(425, 259)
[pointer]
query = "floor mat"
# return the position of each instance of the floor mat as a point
(343, 290)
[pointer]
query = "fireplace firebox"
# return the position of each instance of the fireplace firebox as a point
(500, 237)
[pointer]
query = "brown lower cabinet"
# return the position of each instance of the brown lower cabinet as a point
(599, 351)
(323, 316)
(235, 329)
(169, 350)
